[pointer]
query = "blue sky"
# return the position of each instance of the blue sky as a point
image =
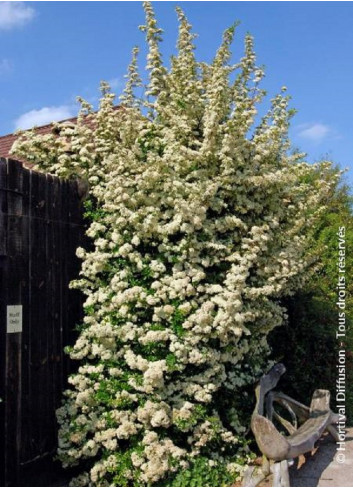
(50, 52)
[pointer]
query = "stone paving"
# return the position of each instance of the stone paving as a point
(322, 469)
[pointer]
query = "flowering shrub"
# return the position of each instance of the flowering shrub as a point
(199, 224)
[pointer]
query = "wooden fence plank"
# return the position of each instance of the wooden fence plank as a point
(57, 296)
(64, 290)
(3, 304)
(3, 206)
(13, 369)
(24, 260)
(38, 310)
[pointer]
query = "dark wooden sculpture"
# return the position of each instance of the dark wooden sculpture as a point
(304, 430)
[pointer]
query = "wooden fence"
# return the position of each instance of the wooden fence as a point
(40, 228)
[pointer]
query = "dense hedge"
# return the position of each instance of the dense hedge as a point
(307, 343)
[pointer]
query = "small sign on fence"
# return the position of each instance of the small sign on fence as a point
(14, 319)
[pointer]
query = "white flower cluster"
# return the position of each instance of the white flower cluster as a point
(197, 232)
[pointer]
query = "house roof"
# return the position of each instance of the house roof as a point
(7, 141)
(5, 145)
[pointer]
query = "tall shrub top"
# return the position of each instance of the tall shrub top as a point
(199, 221)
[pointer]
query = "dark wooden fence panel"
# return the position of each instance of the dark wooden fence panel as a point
(40, 228)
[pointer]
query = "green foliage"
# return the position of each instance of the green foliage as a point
(121, 469)
(202, 474)
(199, 413)
(92, 211)
(307, 344)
